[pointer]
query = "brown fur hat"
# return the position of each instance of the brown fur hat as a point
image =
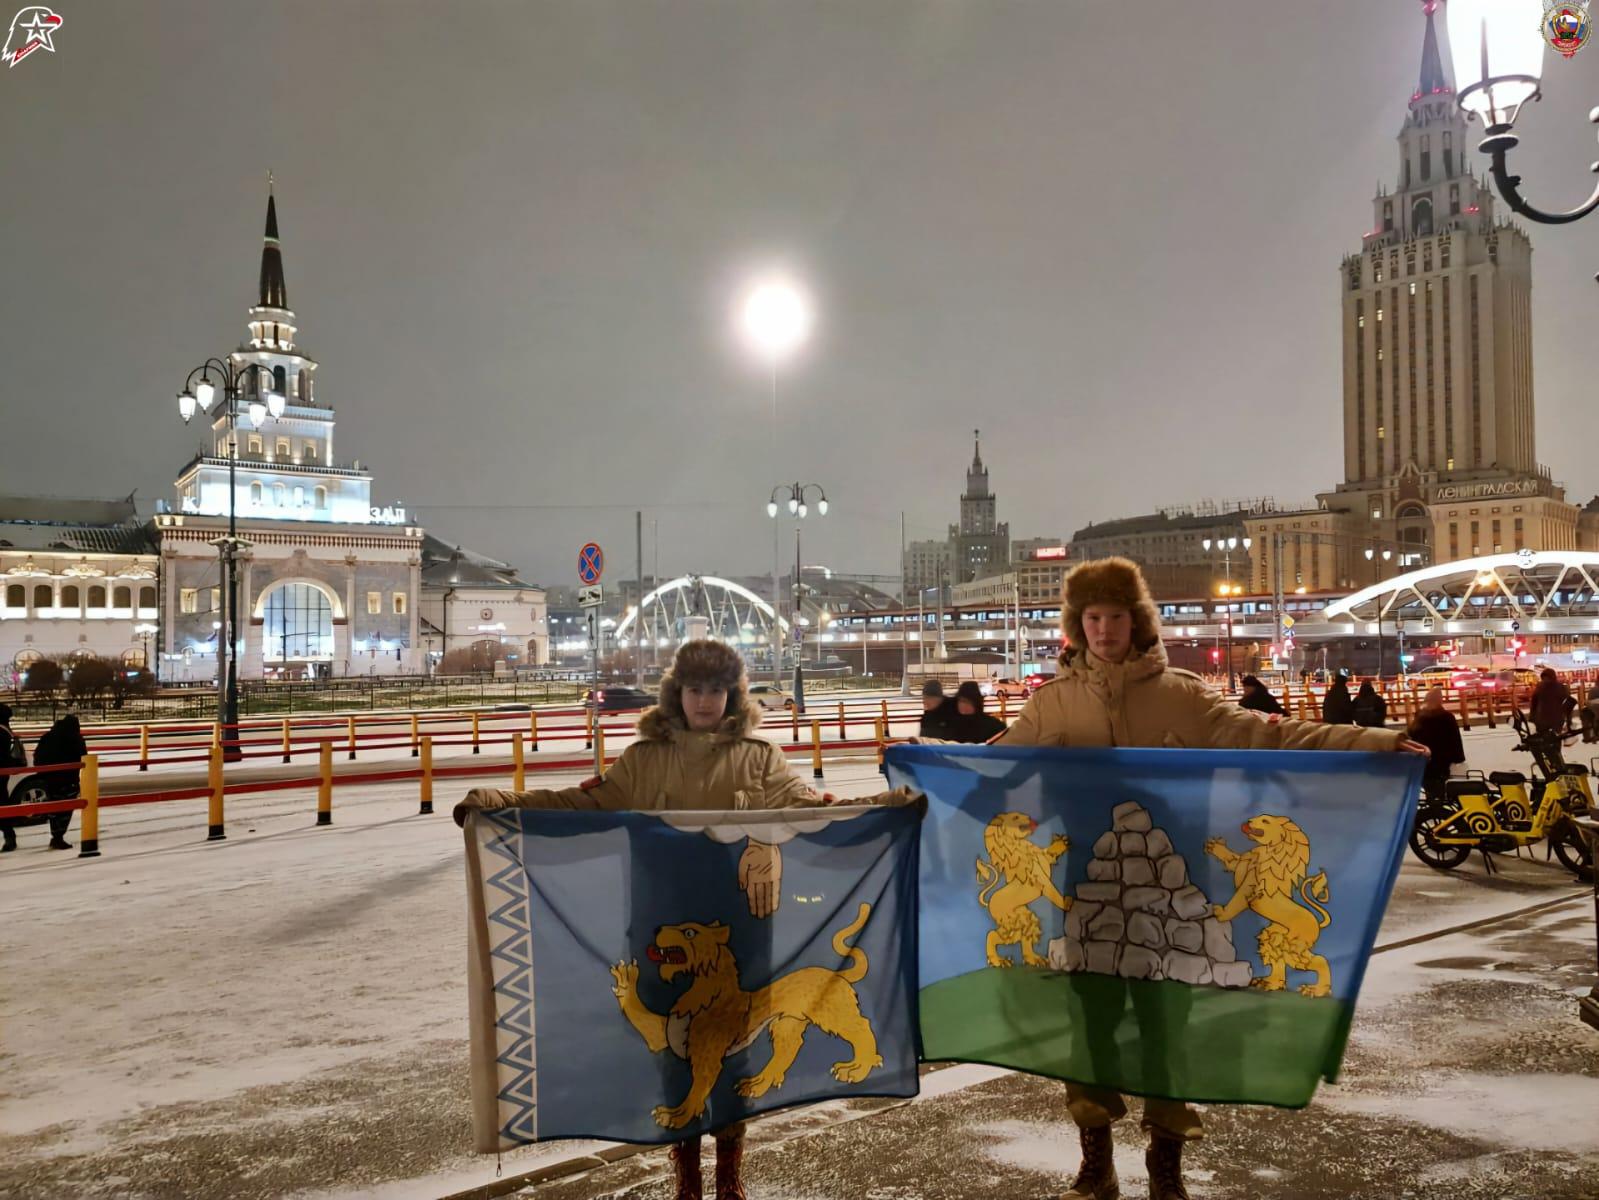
(704, 661)
(1115, 581)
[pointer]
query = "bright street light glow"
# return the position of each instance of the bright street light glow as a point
(775, 319)
(185, 405)
(205, 393)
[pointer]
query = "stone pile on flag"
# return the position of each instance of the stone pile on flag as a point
(1139, 916)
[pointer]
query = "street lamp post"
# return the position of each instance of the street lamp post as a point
(1387, 554)
(795, 495)
(1225, 546)
(774, 319)
(266, 399)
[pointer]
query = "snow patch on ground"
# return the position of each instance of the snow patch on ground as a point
(1511, 1111)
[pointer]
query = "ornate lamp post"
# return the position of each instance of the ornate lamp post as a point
(264, 399)
(795, 494)
(1387, 554)
(1498, 48)
(1225, 546)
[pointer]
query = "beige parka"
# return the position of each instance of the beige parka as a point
(1144, 702)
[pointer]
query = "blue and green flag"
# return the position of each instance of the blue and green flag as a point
(1177, 923)
(648, 976)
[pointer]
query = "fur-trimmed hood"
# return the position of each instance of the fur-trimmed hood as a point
(1115, 581)
(700, 662)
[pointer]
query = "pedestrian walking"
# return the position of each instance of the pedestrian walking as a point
(1337, 708)
(60, 745)
(972, 724)
(1552, 704)
(13, 754)
(697, 750)
(1371, 710)
(1590, 716)
(1257, 697)
(1436, 728)
(1115, 688)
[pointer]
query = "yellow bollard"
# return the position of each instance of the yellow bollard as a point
(144, 747)
(89, 835)
(1004, 707)
(324, 791)
(215, 832)
(816, 749)
(533, 732)
(843, 730)
(476, 748)
(793, 716)
(518, 764)
(588, 727)
(427, 776)
(884, 714)
(415, 745)
(1465, 709)
(287, 753)
(1488, 704)
(216, 733)
(351, 726)
(882, 766)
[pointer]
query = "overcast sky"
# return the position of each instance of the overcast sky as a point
(1106, 233)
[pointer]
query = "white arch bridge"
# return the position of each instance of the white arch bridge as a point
(1538, 592)
(733, 614)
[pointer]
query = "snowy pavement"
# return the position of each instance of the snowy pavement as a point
(283, 1013)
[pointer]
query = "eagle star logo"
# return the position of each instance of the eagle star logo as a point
(30, 30)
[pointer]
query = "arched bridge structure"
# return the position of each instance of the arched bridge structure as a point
(734, 614)
(1526, 591)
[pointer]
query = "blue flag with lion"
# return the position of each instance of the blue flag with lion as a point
(650, 976)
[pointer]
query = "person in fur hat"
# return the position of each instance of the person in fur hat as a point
(697, 750)
(1114, 688)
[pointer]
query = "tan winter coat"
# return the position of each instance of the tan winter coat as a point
(670, 767)
(1143, 702)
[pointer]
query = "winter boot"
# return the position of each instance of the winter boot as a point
(8, 840)
(57, 842)
(1164, 1161)
(729, 1161)
(685, 1156)
(1096, 1178)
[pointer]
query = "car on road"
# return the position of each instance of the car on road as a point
(1037, 680)
(617, 697)
(771, 697)
(1013, 688)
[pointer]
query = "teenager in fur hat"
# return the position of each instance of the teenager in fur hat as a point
(697, 750)
(1115, 689)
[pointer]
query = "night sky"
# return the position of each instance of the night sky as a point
(1106, 233)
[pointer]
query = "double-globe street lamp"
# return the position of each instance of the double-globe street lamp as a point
(1225, 547)
(774, 319)
(264, 399)
(795, 496)
(1498, 49)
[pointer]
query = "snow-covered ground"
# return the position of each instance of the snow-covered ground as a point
(284, 1013)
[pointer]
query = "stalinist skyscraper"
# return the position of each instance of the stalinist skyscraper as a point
(1436, 325)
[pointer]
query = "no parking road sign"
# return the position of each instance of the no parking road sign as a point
(590, 563)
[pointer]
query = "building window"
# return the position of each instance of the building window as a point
(122, 597)
(1426, 158)
(321, 498)
(1412, 289)
(16, 596)
(69, 596)
(399, 602)
(1454, 199)
(299, 496)
(255, 492)
(374, 603)
(1449, 155)
(1382, 432)
(216, 599)
(277, 494)
(1519, 534)
(255, 443)
(310, 452)
(97, 597)
(43, 596)
(1449, 464)
(283, 450)
(147, 596)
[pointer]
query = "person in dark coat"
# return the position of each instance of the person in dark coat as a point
(7, 741)
(1336, 706)
(972, 724)
(1257, 697)
(1552, 703)
(1371, 710)
(61, 744)
(1436, 728)
(938, 713)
